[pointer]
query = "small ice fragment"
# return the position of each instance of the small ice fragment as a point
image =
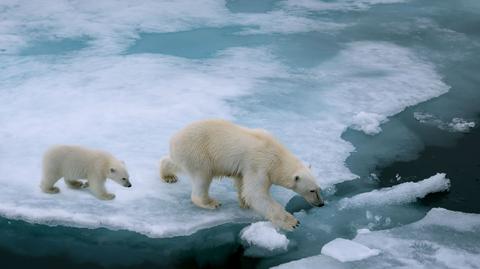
(346, 250)
(461, 125)
(398, 177)
(455, 125)
(363, 231)
(369, 123)
(263, 234)
(378, 218)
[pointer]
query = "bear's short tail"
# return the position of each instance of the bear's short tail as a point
(168, 170)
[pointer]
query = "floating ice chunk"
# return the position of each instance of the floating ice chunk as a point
(455, 125)
(346, 250)
(263, 234)
(461, 125)
(363, 231)
(398, 194)
(369, 123)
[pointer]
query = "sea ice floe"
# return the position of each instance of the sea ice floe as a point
(265, 236)
(402, 193)
(347, 250)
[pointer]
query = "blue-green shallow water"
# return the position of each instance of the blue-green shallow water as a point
(23, 245)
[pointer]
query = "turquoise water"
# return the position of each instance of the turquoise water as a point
(125, 76)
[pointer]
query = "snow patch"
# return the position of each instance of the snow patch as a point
(347, 250)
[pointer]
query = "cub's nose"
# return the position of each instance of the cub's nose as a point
(129, 185)
(320, 204)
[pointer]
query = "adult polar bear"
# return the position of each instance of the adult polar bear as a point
(253, 157)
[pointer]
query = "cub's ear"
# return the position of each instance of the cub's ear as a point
(309, 166)
(122, 162)
(112, 170)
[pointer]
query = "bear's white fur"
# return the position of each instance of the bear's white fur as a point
(75, 162)
(252, 157)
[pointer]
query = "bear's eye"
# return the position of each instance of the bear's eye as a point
(112, 170)
(297, 178)
(124, 179)
(312, 191)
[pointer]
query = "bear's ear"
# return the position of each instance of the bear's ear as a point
(112, 170)
(309, 166)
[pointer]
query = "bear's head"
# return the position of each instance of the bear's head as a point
(303, 183)
(118, 173)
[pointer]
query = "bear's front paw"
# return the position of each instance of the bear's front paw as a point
(286, 222)
(85, 185)
(170, 179)
(107, 196)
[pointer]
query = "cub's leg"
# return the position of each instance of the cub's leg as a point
(72, 183)
(48, 180)
(168, 170)
(200, 187)
(239, 184)
(97, 186)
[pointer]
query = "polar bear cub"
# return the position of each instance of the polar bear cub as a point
(252, 157)
(74, 162)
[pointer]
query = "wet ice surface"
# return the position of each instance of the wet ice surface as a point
(427, 243)
(124, 77)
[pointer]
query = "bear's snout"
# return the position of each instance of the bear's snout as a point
(128, 185)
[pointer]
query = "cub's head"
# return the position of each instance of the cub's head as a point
(118, 173)
(303, 183)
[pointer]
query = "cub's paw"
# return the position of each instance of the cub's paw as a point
(51, 190)
(170, 179)
(286, 222)
(107, 196)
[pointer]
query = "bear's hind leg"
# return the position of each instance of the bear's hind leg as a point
(200, 197)
(168, 169)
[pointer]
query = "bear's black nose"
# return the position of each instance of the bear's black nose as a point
(320, 204)
(129, 185)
